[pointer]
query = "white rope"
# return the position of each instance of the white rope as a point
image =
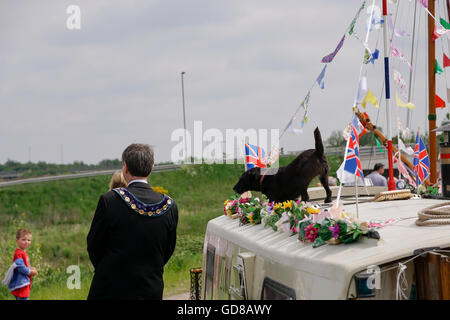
(402, 283)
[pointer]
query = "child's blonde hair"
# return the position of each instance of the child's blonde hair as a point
(22, 232)
(117, 180)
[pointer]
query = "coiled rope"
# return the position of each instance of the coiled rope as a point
(437, 214)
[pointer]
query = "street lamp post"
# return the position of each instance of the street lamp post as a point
(184, 115)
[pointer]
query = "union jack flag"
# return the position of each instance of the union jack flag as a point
(352, 162)
(254, 157)
(421, 161)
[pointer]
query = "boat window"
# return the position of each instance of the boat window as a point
(273, 290)
(209, 278)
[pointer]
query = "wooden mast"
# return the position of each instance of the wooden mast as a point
(432, 93)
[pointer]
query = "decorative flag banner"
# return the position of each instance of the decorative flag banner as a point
(444, 23)
(424, 3)
(439, 102)
(397, 32)
(330, 57)
(405, 132)
(305, 105)
(408, 150)
(362, 89)
(400, 83)
(352, 164)
(402, 169)
(398, 54)
(400, 103)
(421, 162)
(290, 127)
(375, 19)
(370, 98)
(438, 32)
(446, 61)
(437, 67)
(320, 78)
(370, 57)
(379, 144)
(352, 24)
(254, 157)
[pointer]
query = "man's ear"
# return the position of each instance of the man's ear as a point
(125, 169)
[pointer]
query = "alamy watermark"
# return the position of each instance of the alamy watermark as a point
(74, 279)
(73, 22)
(215, 146)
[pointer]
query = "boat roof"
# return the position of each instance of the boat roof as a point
(342, 261)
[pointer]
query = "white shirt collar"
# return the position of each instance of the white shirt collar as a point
(137, 180)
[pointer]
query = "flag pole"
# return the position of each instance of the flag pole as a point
(342, 172)
(432, 93)
(356, 195)
(391, 181)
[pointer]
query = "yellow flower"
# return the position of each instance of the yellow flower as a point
(312, 210)
(225, 203)
(287, 204)
(278, 205)
(229, 212)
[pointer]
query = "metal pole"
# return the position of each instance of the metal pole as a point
(432, 93)
(184, 116)
(391, 181)
(408, 111)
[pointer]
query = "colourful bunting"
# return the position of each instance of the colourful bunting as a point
(438, 32)
(400, 83)
(446, 61)
(370, 57)
(370, 98)
(320, 80)
(352, 24)
(400, 103)
(379, 144)
(439, 102)
(437, 67)
(424, 3)
(397, 32)
(445, 24)
(330, 57)
(398, 54)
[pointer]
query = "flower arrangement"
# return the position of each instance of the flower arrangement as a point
(308, 222)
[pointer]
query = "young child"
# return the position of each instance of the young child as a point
(18, 277)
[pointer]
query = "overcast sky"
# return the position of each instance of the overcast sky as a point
(248, 64)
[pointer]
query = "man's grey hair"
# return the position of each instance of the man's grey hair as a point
(139, 159)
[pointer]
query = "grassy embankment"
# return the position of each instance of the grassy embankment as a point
(59, 214)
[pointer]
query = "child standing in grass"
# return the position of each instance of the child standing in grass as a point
(18, 277)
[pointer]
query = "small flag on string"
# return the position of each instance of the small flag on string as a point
(398, 54)
(320, 78)
(352, 24)
(445, 24)
(439, 102)
(362, 89)
(424, 3)
(379, 144)
(370, 57)
(400, 83)
(400, 103)
(437, 67)
(330, 57)
(397, 32)
(438, 32)
(446, 61)
(370, 98)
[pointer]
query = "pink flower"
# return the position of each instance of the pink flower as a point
(244, 200)
(335, 230)
(311, 233)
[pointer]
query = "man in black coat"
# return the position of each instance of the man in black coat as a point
(132, 235)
